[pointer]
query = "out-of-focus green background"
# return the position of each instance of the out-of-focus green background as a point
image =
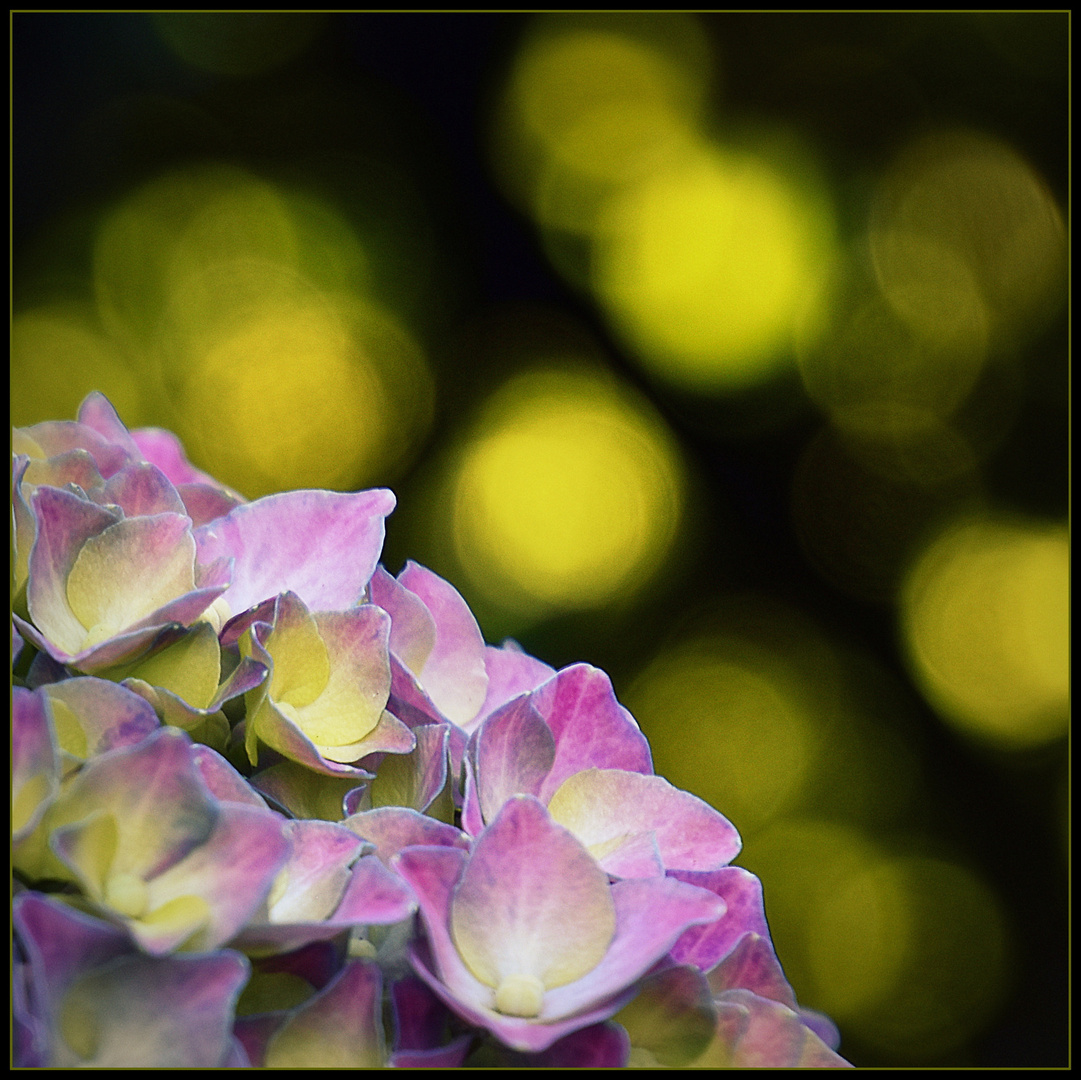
(725, 352)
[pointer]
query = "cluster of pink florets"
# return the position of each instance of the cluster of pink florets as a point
(274, 806)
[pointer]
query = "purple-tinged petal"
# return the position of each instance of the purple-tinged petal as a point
(651, 913)
(341, 1027)
(43, 669)
(104, 1005)
(389, 735)
(510, 754)
(412, 631)
(601, 1046)
(590, 727)
(420, 1026)
(412, 702)
(822, 1026)
(64, 522)
(636, 856)
(604, 808)
(510, 672)
(371, 896)
(432, 873)
(204, 504)
(531, 911)
(60, 438)
(706, 946)
(310, 885)
(451, 1056)
(374, 896)
(110, 653)
(753, 965)
(231, 873)
(316, 964)
(255, 1032)
(60, 941)
(140, 831)
(57, 943)
(322, 545)
(102, 588)
(35, 765)
(152, 792)
(223, 781)
(754, 1032)
(25, 528)
(329, 680)
(142, 490)
(453, 675)
(163, 449)
(394, 828)
(150, 1012)
(492, 940)
(97, 413)
(128, 571)
(74, 469)
(526, 1035)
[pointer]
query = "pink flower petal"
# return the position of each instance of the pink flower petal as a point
(651, 914)
(510, 754)
(322, 545)
(141, 490)
(163, 449)
(754, 1032)
(604, 807)
(590, 727)
(454, 675)
(412, 632)
(35, 766)
(64, 522)
(394, 828)
(707, 946)
(97, 413)
(530, 904)
(510, 672)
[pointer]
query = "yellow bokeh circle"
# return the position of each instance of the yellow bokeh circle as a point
(707, 268)
(986, 613)
(568, 495)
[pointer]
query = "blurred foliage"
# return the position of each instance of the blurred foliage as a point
(727, 352)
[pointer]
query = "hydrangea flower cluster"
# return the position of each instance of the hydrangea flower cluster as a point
(273, 806)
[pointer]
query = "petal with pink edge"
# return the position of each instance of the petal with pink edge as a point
(100, 1004)
(341, 1027)
(754, 1032)
(532, 911)
(510, 672)
(35, 765)
(152, 1012)
(321, 545)
(605, 808)
(163, 449)
(230, 874)
(454, 674)
(510, 754)
(590, 727)
(706, 946)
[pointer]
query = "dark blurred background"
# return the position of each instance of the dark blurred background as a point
(725, 352)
